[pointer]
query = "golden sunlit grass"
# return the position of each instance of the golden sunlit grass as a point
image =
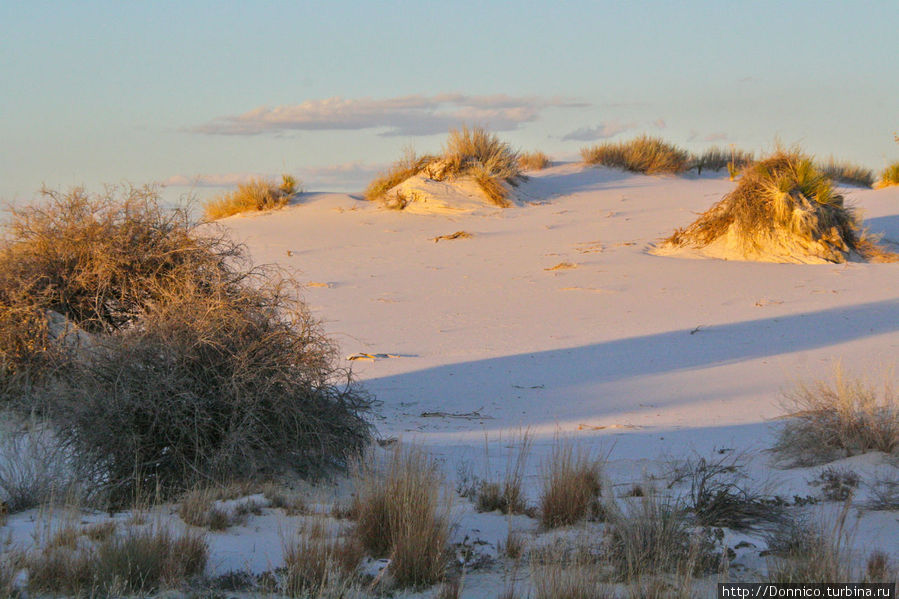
(571, 486)
(783, 207)
(533, 161)
(648, 155)
(843, 171)
(889, 176)
(253, 196)
(472, 152)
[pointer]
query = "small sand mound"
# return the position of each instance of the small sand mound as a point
(475, 170)
(783, 210)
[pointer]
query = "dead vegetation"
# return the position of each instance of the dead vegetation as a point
(644, 154)
(320, 561)
(254, 196)
(812, 550)
(192, 365)
(469, 152)
(401, 513)
(451, 236)
(571, 486)
(846, 416)
(507, 496)
(784, 209)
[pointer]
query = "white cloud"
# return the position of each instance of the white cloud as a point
(601, 131)
(406, 115)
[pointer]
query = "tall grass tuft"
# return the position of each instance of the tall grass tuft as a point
(508, 496)
(533, 161)
(571, 486)
(400, 514)
(843, 171)
(647, 155)
(717, 158)
(889, 176)
(253, 196)
(469, 152)
(783, 208)
(560, 571)
(833, 419)
(320, 559)
(812, 550)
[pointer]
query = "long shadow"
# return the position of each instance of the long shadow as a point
(888, 226)
(589, 179)
(572, 371)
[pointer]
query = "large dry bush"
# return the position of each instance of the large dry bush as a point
(644, 154)
(253, 196)
(200, 366)
(783, 207)
(400, 514)
(469, 152)
(833, 419)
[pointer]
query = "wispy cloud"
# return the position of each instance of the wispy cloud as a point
(348, 176)
(601, 131)
(659, 123)
(716, 136)
(406, 115)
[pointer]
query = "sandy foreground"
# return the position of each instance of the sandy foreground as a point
(553, 316)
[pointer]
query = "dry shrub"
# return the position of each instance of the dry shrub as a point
(648, 155)
(471, 152)
(720, 495)
(885, 492)
(571, 486)
(200, 367)
(837, 484)
(34, 468)
(889, 176)
(508, 496)
(843, 171)
(783, 207)
(253, 196)
(533, 161)
(717, 158)
(138, 561)
(833, 419)
(812, 550)
(197, 509)
(320, 559)
(11, 562)
(655, 536)
(399, 513)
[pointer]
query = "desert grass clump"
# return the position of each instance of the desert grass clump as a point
(507, 496)
(469, 152)
(842, 417)
(11, 562)
(253, 196)
(571, 486)
(400, 513)
(843, 171)
(812, 550)
(644, 154)
(137, 561)
(319, 559)
(569, 571)
(533, 161)
(889, 176)
(717, 158)
(655, 536)
(784, 209)
(837, 484)
(194, 365)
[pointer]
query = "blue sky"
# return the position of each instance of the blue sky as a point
(107, 92)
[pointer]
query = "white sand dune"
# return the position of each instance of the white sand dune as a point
(645, 358)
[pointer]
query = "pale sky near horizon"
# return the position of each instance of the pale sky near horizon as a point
(106, 92)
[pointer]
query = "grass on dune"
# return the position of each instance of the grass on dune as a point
(253, 196)
(472, 152)
(533, 161)
(718, 158)
(843, 171)
(644, 154)
(783, 205)
(889, 176)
